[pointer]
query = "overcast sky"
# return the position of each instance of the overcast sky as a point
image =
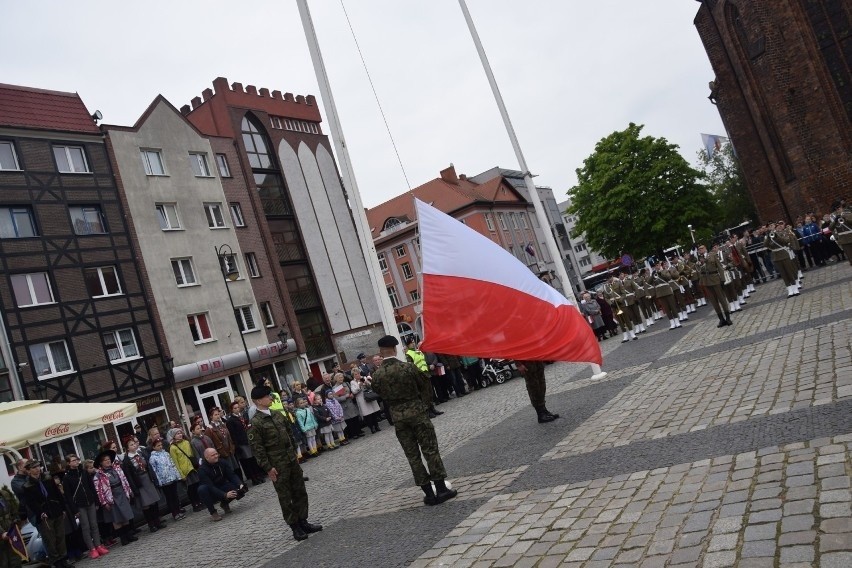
(570, 71)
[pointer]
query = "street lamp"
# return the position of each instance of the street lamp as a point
(229, 274)
(282, 339)
(691, 233)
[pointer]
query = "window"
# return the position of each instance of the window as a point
(501, 220)
(407, 273)
(32, 289)
(102, 281)
(514, 220)
(393, 297)
(228, 265)
(414, 295)
(184, 274)
(524, 221)
(71, 159)
(199, 328)
(87, 220)
(383, 262)
(51, 359)
(266, 314)
(167, 214)
(8, 158)
(251, 265)
(215, 220)
(275, 122)
(237, 215)
(489, 222)
(198, 163)
(153, 162)
(256, 147)
(17, 222)
(580, 248)
(245, 319)
(400, 251)
(222, 162)
(121, 345)
(585, 261)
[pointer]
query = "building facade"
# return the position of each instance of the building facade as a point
(72, 295)
(783, 87)
(191, 234)
(493, 208)
(576, 248)
(288, 163)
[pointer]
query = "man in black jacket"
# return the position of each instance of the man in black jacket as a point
(218, 482)
(47, 505)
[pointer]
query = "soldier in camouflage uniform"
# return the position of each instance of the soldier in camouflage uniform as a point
(399, 384)
(271, 441)
(533, 372)
(8, 516)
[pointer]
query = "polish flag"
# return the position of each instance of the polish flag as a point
(481, 301)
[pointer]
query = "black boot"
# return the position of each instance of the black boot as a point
(309, 527)
(298, 532)
(728, 319)
(444, 493)
(722, 322)
(430, 494)
(544, 415)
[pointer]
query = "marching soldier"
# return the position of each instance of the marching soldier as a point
(674, 279)
(270, 437)
(665, 294)
(710, 278)
(399, 384)
(841, 226)
(614, 294)
(646, 299)
(693, 276)
(777, 241)
(746, 264)
(632, 295)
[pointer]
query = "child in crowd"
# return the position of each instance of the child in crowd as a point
(337, 422)
(307, 424)
(324, 421)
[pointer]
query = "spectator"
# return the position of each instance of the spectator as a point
(47, 506)
(222, 441)
(342, 393)
(337, 423)
(452, 366)
(237, 424)
(369, 409)
(166, 477)
(592, 310)
(200, 441)
(299, 391)
(307, 423)
(79, 489)
(218, 482)
(114, 495)
(363, 366)
(323, 417)
(137, 471)
(186, 461)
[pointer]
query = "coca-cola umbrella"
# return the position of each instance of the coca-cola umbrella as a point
(24, 423)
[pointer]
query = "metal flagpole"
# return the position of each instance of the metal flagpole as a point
(361, 224)
(540, 214)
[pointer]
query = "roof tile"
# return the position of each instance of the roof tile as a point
(27, 107)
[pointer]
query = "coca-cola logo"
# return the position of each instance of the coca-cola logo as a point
(57, 430)
(112, 416)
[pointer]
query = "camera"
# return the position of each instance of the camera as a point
(241, 492)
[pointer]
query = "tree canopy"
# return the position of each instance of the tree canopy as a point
(638, 195)
(727, 186)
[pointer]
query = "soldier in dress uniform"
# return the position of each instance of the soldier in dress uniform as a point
(745, 264)
(730, 284)
(841, 226)
(697, 292)
(632, 295)
(646, 300)
(614, 294)
(777, 241)
(710, 278)
(270, 437)
(9, 516)
(399, 384)
(664, 293)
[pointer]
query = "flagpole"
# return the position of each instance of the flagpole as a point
(540, 214)
(361, 224)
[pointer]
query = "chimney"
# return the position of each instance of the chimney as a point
(449, 175)
(462, 177)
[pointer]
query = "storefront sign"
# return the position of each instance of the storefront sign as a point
(149, 402)
(57, 430)
(112, 416)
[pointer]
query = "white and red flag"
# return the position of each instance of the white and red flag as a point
(481, 301)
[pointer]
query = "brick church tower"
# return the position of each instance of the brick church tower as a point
(783, 88)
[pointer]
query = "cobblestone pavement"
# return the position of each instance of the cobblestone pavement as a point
(702, 447)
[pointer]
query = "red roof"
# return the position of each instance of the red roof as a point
(26, 107)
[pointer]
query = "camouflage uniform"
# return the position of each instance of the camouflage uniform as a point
(271, 441)
(536, 385)
(399, 384)
(8, 515)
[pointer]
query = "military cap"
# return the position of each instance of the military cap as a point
(388, 341)
(260, 391)
(361, 356)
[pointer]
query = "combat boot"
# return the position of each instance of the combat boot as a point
(545, 415)
(298, 532)
(309, 527)
(429, 499)
(444, 492)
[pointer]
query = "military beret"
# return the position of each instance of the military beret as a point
(388, 341)
(260, 391)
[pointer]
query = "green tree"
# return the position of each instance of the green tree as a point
(727, 185)
(638, 194)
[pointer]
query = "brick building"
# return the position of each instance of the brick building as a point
(72, 296)
(493, 208)
(783, 88)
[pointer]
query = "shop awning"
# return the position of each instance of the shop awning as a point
(24, 423)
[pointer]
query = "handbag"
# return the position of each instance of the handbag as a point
(370, 395)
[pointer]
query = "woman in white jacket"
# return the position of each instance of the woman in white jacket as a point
(369, 409)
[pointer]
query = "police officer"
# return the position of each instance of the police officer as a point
(272, 444)
(533, 372)
(8, 517)
(400, 385)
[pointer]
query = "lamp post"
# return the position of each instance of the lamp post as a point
(222, 254)
(282, 339)
(691, 233)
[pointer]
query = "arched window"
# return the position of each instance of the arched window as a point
(257, 145)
